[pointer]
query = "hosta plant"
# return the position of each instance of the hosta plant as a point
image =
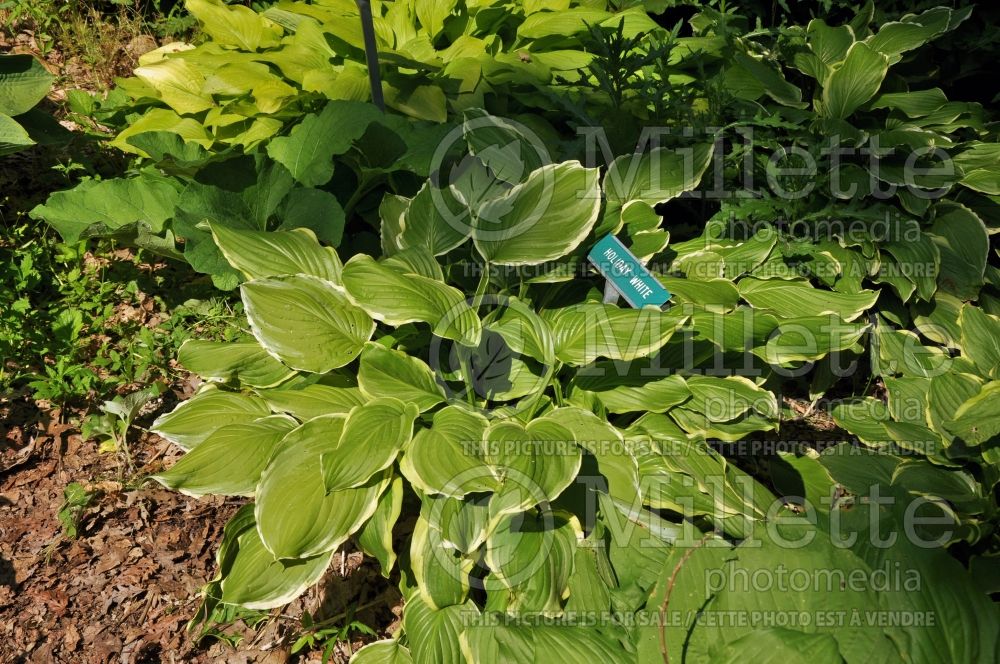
(532, 462)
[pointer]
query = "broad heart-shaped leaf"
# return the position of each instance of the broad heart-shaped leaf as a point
(440, 571)
(978, 419)
(433, 633)
(854, 82)
(533, 463)
(228, 462)
(373, 436)
(584, 332)
(427, 222)
(250, 577)
(311, 401)
(260, 254)
(397, 298)
(541, 219)
(197, 418)
(531, 560)
(447, 459)
(981, 340)
(243, 361)
(105, 207)
(794, 299)
(234, 25)
(375, 538)
(296, 516)
(391, 373)
(502, 146)
(383, 652)
(24, 82)
(308, 151)
(655, 176)
(963, 242)
(306, 322)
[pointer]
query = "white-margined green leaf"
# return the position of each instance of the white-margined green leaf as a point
(810, 338)
(384, 372)
(242, 361)
(375, 537)
(396, 299)
(541, 219)
(978, 419)
(311, 401)
(433, 633)
(447, 459)
(794, 299)
(252, 578)
(229, 462)
(963, 244)
(374, 434)
(296, 516)
(306, 322)
(196, 419)
(259, 254)
(382, 652)
(584, 332)
(981, 340)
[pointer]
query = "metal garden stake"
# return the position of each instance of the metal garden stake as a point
(371, 52)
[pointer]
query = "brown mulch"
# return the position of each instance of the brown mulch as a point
(124, 590)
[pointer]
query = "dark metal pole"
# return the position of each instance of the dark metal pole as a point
(371, 53)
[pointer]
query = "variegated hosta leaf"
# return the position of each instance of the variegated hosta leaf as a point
(309, 401)
(795, 299)
(396, 298)
(296, 516)
(375, 538)
(374, 434)
(433, 633)
(250, 577)
(383, 652)
(542, 219)
(243, 361)
(229, 462)
(306, 322)
(447, 459)
(584, 332)
(258, 254)
(390, 373)
(196, 419)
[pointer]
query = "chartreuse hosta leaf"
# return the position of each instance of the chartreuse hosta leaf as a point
(249, 576)
(423, 224)
(963, 244)
(981, 340)
(383, 652)
(977, 420)
(629, 392)
(234, 25)
(309, 401)
(447, 459)
(229, 462)
(396, 297)
(373, 436)
(541, 219)
(810, 338)
(572, 644)
(534, 462)
(306, 322)
(795, 299)
(258, 254)
(531, 561)
(193, 421)
(375, 538)
(296, 516)
(652, 177)
(433, 633)
(584, 332)
(392, 373)
(245, 362)
(440, 569)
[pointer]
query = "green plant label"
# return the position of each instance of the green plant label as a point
(626, 274)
